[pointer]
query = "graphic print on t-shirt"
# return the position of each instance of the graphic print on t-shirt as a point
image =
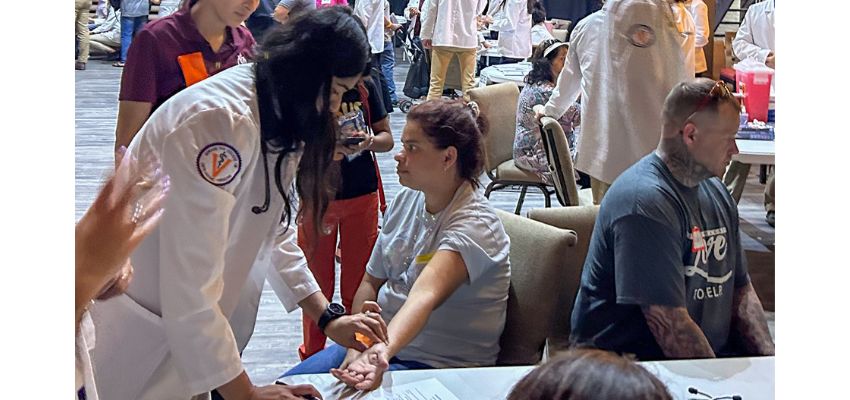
(708, 248)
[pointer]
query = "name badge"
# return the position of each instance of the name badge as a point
(424, 258)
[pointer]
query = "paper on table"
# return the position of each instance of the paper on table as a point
(429, 389)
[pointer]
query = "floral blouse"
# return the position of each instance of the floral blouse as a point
(529, 154)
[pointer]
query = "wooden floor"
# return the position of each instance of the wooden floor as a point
(272, 349)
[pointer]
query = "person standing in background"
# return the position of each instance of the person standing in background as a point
(621, 102)
(82, 31)
(371, 13)
(687, 29)
(449, 29)
(699, 11)
(388, 55)
(514, 27)
(134, 16)
(756, 39)
(539, 31)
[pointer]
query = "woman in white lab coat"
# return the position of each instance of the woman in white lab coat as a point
(514, 26)
(232, 145)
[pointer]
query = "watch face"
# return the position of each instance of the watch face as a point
(336, 308)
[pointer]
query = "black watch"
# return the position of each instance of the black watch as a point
(332, 312)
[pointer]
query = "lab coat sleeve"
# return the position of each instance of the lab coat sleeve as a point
(703, 34)
(743, 45)
(567, 88)
(429, 19)
(290, 278)
(510, 18)
(193, 239)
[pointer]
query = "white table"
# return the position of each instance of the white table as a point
(514, 72)
(755, 152)
(751, 378)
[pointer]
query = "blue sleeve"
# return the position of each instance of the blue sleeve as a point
(648, 266)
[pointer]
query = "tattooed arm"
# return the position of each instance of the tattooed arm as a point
(750, 323)
(676, 333)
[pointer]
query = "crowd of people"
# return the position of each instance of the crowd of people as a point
(238, 162)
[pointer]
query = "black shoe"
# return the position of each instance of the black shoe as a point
(771, 218)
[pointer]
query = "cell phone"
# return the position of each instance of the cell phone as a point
(350, 141)
(305, 396)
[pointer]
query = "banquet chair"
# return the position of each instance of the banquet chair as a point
(538, 280)
(579, 220)
(498, 104)
(561, 164)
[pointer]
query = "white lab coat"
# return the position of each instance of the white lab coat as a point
(85, 342)
(198, 277)
(371, 12)
(514, 28)
(756, 37)
(687, 30)
(625, 84)
(452, 23)
(699, 11)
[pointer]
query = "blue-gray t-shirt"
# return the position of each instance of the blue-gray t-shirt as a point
(658, 242)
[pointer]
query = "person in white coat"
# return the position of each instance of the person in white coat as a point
(756, 39)
(702, 37)
(449, 29)
(514, 27)
(226, 142)
(637, 61)
(687, 31)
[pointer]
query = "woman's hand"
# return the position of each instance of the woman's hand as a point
(284, 392)
(367, 371)
(369, 324)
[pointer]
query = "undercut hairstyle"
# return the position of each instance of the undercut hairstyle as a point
(453, 123)
(289, 89)
(693, 95)
(589, 374)
(541, 66)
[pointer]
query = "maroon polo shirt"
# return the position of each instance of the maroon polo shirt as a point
(170, 50)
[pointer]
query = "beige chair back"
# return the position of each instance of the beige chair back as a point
(560, 34)
(537, 282)
(498, 103)
(581, 221)
(560, 163)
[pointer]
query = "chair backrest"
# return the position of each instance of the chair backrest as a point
(560, 34)
(560, 163)
(537, 282)
(581, 221)
(498, 103)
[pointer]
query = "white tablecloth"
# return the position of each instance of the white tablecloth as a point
(752, 378)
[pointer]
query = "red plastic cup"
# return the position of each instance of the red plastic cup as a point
(755, 84)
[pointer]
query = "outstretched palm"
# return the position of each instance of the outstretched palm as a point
(367, 370)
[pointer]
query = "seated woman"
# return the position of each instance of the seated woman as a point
(547, 63)
(439, 270)
(585, 374)
(539, 31)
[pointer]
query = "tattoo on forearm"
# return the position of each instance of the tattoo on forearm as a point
(751, 322)
(676, 333)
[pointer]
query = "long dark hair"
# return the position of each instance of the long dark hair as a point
(295, 68)
(541, 66)
(454, 123)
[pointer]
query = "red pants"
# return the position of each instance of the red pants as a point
(356, 221)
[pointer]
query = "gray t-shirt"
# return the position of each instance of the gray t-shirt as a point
(658, 242)
(289, 4)
(464, 331)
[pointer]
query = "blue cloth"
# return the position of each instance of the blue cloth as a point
(387, 65)
(130, 26)
(332, 357)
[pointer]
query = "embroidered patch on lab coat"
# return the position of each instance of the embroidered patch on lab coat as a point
(219, 163)
(641, 35)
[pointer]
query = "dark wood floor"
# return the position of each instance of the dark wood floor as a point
(272, 349)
